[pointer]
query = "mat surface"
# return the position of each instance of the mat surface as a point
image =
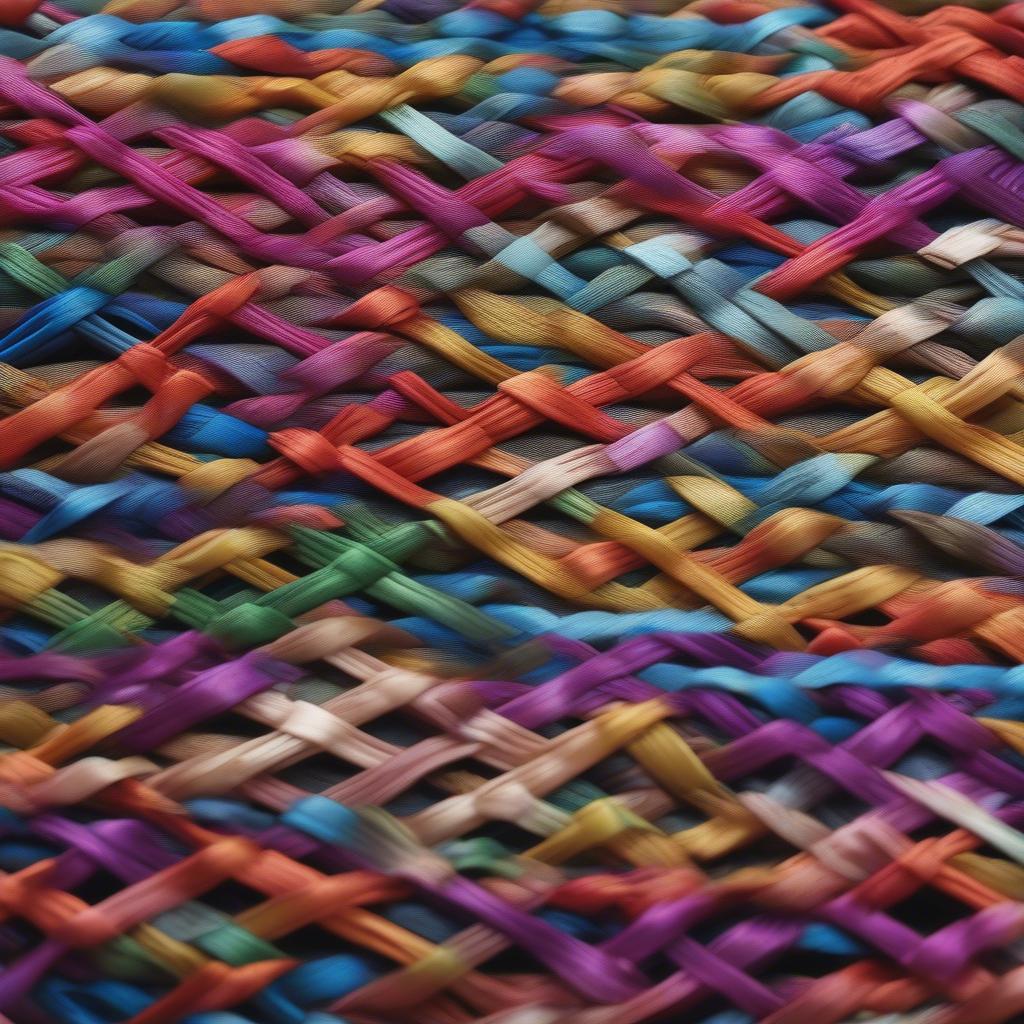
(511, 512)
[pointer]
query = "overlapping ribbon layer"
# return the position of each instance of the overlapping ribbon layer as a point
(511, 511)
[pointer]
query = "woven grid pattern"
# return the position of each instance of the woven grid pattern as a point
(511, 512)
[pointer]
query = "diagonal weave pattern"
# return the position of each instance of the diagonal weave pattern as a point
(511, 512)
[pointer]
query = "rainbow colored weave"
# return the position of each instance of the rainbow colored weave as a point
(511, 511)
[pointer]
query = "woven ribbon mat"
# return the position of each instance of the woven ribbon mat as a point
(511, 512)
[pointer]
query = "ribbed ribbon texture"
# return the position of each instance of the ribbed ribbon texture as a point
(511, 511)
